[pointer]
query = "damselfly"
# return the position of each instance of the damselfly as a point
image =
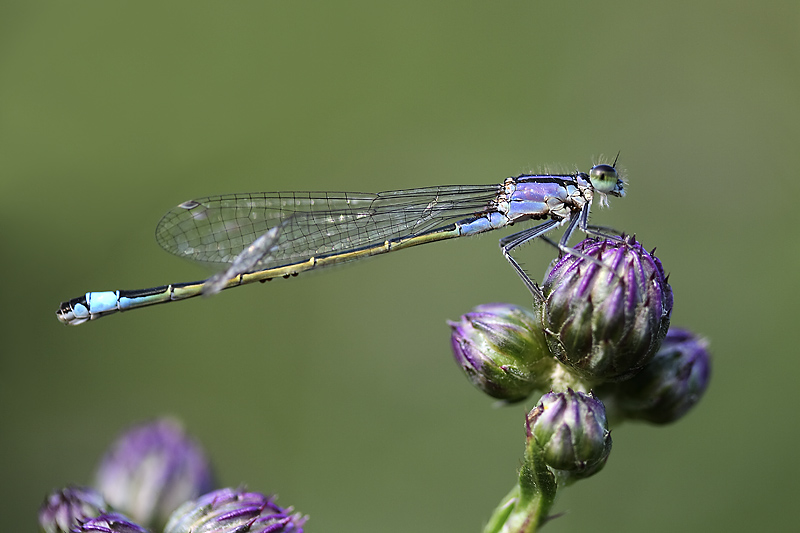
(260, 236)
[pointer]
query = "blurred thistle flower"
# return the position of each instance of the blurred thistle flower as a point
(69, 507)
(234, 511)
(571, 430)
(671, 384)
(152, 469)
(502, 349)
(109, 523)
(606, 322)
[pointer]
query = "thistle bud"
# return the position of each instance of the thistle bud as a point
(152, 469)
(69, 507)
(502, 349)
(109, 523)
(671, 384)
(572, 431)
(606, 322)
(234, 511)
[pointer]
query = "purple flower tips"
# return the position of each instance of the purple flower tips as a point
(109, 523)
(671, 384)
(234, 511)
(66, 508)
(152, 469)
(156, 473)
(607, 310)
(571, 430)
(502, 350)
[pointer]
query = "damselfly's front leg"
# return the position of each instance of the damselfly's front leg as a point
(507, 244)
(604, 232)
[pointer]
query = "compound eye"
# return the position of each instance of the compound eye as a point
(604, 178)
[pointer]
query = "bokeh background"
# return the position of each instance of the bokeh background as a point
(337, 390)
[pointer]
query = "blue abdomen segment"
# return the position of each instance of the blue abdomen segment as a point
(101, 302)
(88, 306)
(487, 222)
(93, 305)
(79, 310)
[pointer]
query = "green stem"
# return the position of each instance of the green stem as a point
(502, 511)
(526, 507)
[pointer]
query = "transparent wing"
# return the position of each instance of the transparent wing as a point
(217, 228)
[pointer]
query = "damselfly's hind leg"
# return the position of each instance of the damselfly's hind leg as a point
(507, 244)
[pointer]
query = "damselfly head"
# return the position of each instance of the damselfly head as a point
(606, 180)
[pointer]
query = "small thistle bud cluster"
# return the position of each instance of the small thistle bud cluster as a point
(600, 325)
(603, 313)
(156, 474)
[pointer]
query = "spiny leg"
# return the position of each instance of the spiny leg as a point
(605, 232)
(571, 251)
(581, 221)
(512, 241)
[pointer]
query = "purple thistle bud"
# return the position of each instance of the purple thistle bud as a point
(69, 507)
(234, 511)
(152, 469)
(572, 431)
(109, 523)
(502, 349)
(607, 322)
(671, 384)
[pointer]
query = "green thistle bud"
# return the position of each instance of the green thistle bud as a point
(606, 322)
(502, 349)
(571, 430)
(69, 507)
(234, 511)
(671, 384)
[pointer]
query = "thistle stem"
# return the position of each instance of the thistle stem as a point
(526, 507)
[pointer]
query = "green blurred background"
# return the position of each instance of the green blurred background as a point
(338, 390)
